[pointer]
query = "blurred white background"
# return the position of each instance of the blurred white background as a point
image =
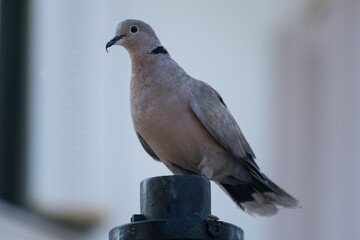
(288, 71)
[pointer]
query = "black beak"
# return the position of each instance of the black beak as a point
(113, 41)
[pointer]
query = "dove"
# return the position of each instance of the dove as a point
(185, 124)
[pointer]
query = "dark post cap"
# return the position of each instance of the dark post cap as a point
(175, 207)
(168, 197)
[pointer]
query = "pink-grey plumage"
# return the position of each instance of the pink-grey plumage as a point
(184, 123)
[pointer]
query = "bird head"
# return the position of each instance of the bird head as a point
(135, 36)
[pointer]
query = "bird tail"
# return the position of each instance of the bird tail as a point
(260, 197)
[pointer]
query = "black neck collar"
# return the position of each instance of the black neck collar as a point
(158, 50)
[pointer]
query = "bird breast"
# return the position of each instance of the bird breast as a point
(163, 117)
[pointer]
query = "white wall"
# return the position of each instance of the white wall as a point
(318, 116)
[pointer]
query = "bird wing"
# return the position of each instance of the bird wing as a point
(147, 147)
(211, 110)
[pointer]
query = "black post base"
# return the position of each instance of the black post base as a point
(175, 207)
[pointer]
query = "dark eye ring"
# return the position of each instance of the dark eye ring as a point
(134, 29)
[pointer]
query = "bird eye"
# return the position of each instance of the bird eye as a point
(134, 29)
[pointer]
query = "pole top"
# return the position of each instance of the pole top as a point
(175, 207)
(180, 196)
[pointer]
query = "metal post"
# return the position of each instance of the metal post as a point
(175, 207)
(13, 98)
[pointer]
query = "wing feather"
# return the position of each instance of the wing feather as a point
(147, 148)
(210, 109)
